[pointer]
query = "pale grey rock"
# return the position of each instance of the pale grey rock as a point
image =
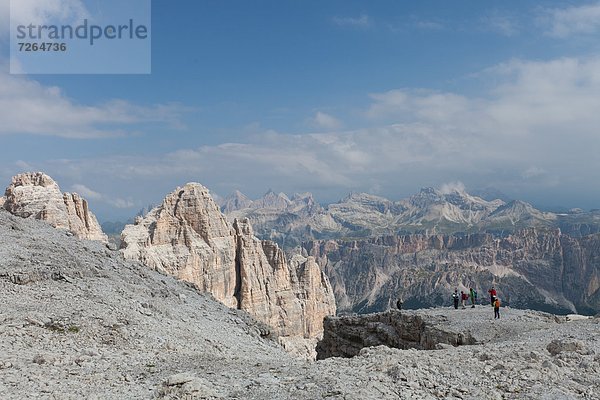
(346, 336)
(179, 379)
(188, 237)
(222, 349)
(293, 297)
(234, 202)
(558, 346)
(36, 195)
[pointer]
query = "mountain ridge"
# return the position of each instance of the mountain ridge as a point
(430, 211)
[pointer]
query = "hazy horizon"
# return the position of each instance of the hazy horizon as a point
(503, 196)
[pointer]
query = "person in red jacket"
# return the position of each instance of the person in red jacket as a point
(463, 298)
(493, 294)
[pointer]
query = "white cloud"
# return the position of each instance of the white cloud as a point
(533, 172)
(85, 191)
(452, 187)
(565, 22)
(560, 96)
(122, 203)
(363, 21)
(531, 98)
(90, 194)
(25, 166)
(429, 25)
(28, 107)
(326, 121)
(535, 130)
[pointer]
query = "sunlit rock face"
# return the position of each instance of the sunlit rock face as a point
(36, 195)
(187, 236)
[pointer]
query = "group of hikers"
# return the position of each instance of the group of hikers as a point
(472, 295)
(464, 298)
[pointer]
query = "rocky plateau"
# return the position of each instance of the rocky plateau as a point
(532, 268)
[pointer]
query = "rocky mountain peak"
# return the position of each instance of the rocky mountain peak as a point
(187, 236)
(306, 197)
(36, 195)
(272, 200)
(235, 201)
(518, 212)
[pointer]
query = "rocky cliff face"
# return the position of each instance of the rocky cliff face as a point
(293, 297)
(38, 196)
(532, 268)
(188, 237)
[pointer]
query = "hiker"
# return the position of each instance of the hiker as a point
(473, 296)
(455, 298)
(399, 304)
(497, 308)
(463, 299)
(493, 294)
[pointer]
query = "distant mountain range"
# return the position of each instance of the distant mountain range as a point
(291, 221)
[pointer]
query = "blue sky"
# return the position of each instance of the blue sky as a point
(323, 96)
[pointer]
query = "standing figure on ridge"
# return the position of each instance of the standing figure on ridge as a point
(493, 294)
(455, 298)
(497, 308)
(463, 299)
(473, 295)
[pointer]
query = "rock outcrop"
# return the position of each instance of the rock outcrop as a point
(293, 297)
(188, 237)
(532, 268)
(345, 336)
(38, 196)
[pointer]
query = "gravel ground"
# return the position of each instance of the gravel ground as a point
(76, 321)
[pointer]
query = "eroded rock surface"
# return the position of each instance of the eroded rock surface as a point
(36, 195)
(82, 323)
(188, 237)
(293, 296)
(345, 336)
